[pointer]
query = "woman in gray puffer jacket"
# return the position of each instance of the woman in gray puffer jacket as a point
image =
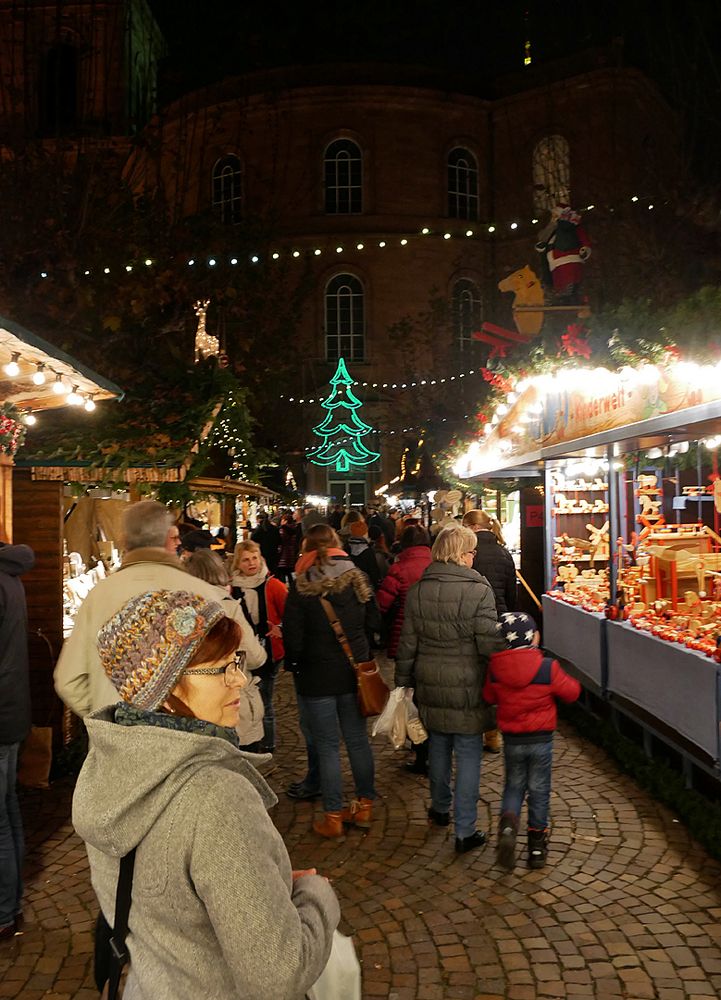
(449, 631)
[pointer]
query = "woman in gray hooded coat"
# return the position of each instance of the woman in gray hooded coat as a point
(216, 910)
(449, 631)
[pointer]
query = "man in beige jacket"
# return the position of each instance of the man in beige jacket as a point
(149, 563)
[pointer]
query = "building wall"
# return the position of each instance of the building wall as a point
(621, 139)
(115, 50)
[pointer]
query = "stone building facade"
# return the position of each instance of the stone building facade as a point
(404, 197)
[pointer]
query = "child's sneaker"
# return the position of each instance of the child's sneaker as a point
(506, 846)
(537, 848)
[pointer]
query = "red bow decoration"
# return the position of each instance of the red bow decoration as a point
(574, 343)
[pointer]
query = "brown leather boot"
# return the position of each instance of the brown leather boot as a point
(359, 813)
(492, 741)
(331, 826)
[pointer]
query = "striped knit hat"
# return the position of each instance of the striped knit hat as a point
(146, 646)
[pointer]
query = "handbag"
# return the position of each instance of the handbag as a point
(111, 955)
(341, 977)
(373, 692)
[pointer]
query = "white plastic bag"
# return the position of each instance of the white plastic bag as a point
(414, 727)
(384, 723)
(341, 978)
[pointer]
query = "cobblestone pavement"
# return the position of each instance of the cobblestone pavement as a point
(629, 905)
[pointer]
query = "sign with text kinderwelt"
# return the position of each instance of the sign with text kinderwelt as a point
(570, 403)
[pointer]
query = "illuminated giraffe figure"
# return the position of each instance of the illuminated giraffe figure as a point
(206, 345)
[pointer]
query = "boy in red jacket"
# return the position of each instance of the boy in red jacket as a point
(524, 685)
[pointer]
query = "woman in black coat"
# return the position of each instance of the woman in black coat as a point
(495, 562)
(325, 680)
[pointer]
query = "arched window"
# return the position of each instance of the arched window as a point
(343, 178)
(228, 189)
(462, 184)
(60, 92)
(551, 173)
(344, 318)
(465, 312)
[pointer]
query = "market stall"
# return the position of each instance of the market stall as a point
(632, 559)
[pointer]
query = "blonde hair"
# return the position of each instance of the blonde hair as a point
(240, 548)
(320, 538)
(451, 544)
(481, 519)
(208, 566)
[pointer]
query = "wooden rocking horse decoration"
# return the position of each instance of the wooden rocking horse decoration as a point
(565, 247)
(528, 310)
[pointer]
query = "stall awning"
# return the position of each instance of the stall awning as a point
(231, 487)
(572, 412)
(34, 355)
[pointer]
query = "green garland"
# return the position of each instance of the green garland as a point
(633, 333)
(12, 429)
(157, 425)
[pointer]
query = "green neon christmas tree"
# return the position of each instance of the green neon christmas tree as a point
(342, 422)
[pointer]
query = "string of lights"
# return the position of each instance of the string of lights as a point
(400, 386)
(60, 385)
(229, 432)
(399, 430)
(333, 245)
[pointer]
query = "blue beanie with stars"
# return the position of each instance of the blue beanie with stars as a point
(517, 629)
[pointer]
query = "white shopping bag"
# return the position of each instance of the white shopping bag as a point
(341, 978)
(385, 721)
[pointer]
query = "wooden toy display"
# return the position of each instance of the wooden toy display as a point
(669, 581)
(587, 498)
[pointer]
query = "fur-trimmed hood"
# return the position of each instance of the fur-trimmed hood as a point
(333, 578)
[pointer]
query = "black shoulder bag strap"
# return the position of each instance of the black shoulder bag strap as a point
(118, 950)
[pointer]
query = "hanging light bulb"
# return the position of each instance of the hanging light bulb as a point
(39, 375)
(74, 398)
(58, 386)
(90, 404)
(12, 367)
(30, 419)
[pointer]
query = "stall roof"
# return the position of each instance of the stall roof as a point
(230, 487)
(631, 410)
(682, 425)
(33, 351)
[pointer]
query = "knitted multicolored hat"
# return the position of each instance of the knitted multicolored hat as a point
(516, 628)
(146, 646)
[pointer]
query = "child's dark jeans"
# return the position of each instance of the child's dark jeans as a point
(528, 772)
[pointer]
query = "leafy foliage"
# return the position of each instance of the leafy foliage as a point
(157, 425)
(12, 429)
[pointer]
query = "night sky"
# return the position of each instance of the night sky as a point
(675, 41)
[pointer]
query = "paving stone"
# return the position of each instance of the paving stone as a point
(628, 909)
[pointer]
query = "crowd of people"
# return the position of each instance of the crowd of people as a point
(172, 665)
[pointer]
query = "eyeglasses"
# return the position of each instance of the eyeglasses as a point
(232, 670)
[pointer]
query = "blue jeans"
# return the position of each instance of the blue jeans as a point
(528, 771)
(324, 716)
(312, 778)
(468, 748)
(267, 674)
(12, 846)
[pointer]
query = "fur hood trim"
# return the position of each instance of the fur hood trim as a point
(324, 586)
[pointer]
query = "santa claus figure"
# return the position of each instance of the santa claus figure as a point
(564, 248)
